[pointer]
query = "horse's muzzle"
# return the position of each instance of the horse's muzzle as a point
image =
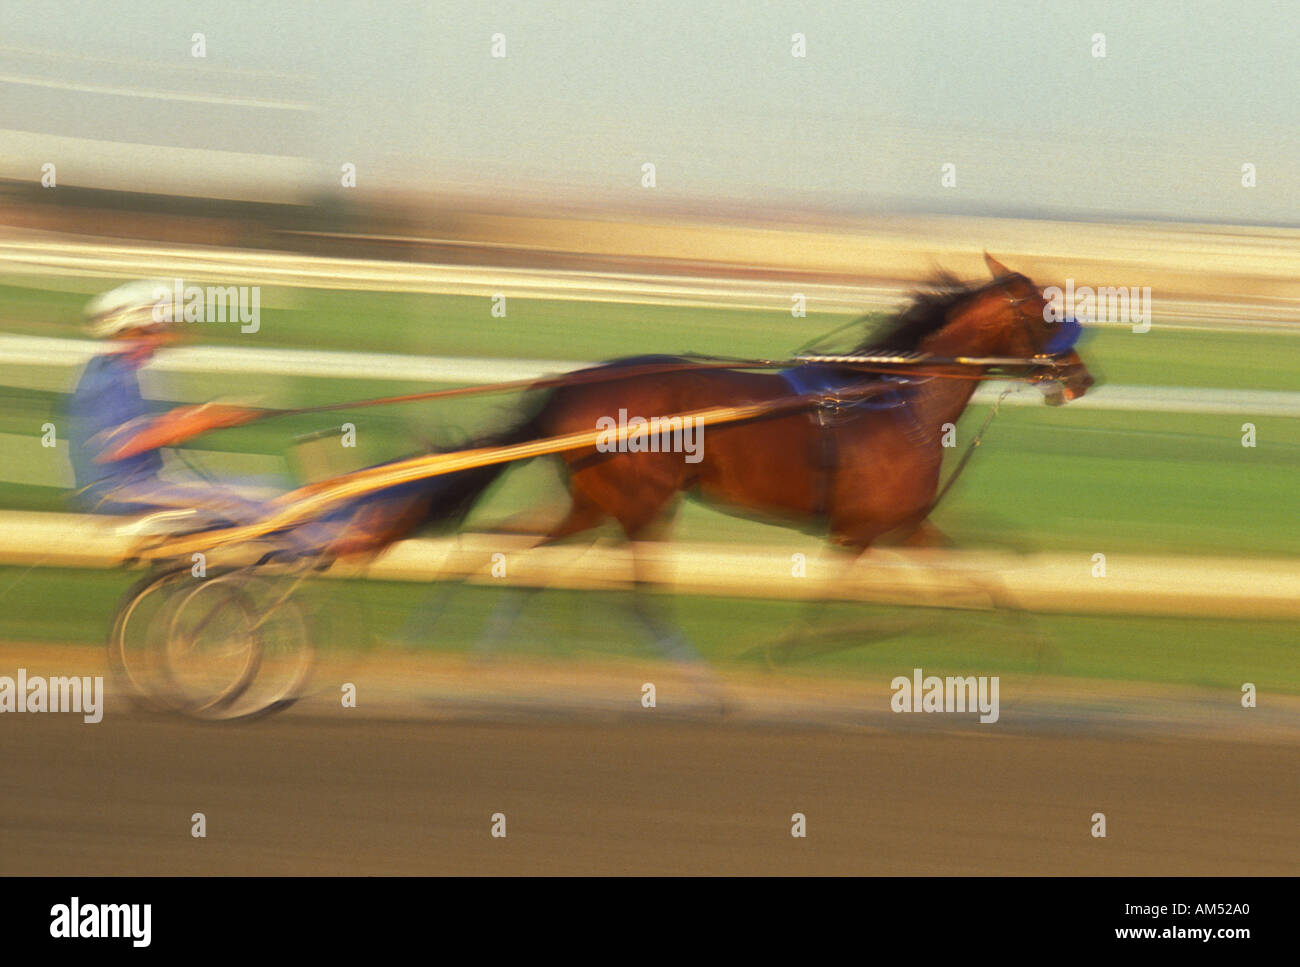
(1058, 392)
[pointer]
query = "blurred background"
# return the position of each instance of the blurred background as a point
(385, 174)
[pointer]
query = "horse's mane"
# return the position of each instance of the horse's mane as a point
(927, 313)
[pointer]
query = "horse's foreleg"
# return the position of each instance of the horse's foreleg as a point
(925, 534)
(967, 583)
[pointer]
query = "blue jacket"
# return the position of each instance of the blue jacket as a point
(107, 396)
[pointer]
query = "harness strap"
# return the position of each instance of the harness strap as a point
(828, 459)
(965, 457)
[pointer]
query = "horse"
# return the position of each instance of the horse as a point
(871, 472)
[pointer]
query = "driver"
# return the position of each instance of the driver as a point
(106, 409)
(115, 436)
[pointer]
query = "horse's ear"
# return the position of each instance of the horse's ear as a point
(997, 268)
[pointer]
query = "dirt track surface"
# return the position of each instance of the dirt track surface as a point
(303, 794)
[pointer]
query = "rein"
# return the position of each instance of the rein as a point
(862, 361)
(875, 364)
(871, 363)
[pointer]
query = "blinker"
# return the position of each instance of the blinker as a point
(1063, 339)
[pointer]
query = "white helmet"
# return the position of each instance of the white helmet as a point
(144, 304)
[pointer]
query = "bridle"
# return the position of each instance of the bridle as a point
(1048, 365)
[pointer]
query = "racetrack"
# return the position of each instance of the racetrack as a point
(590, 781)
(358, 796)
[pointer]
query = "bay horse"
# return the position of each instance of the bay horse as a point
(871, 472)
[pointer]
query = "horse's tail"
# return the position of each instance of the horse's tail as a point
(455, 494)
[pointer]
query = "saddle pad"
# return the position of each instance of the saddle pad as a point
(830, 380)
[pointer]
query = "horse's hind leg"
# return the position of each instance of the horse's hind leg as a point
(583, 515)
(653, 615)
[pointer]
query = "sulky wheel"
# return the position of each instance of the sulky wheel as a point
(237, 647)
(137, 637)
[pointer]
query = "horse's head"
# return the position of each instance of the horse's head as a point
(1010, 317)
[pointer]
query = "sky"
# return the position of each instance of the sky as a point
(1009, 93)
